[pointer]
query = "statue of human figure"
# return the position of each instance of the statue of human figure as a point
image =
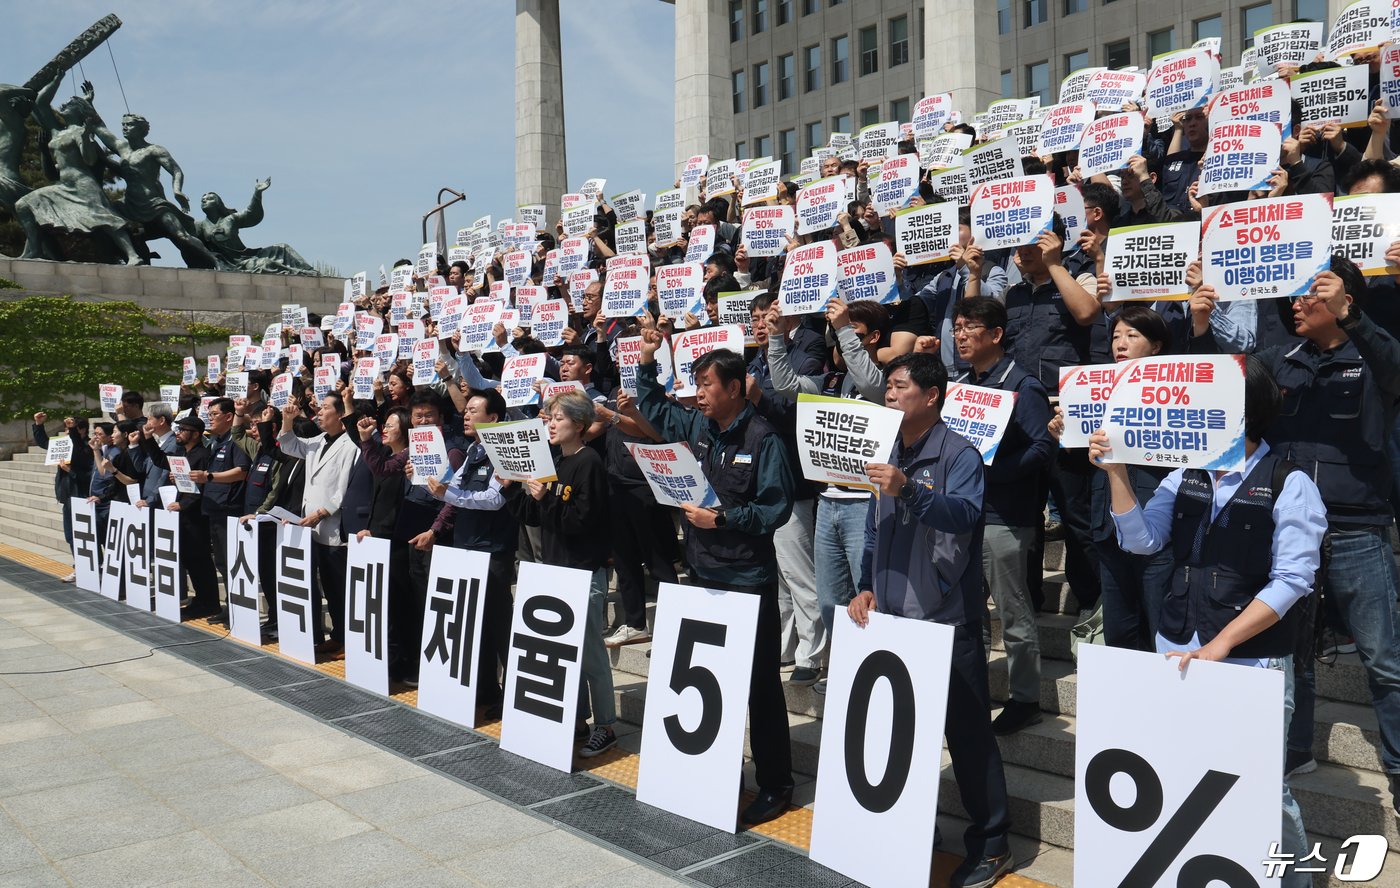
(76, 203)
(219, 230)
(145, 201)
(16, 104)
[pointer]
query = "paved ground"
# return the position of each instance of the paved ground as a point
(159, 772)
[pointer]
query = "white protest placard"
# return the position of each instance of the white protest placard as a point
(1149, 261)
(943, 152)
(809, 279)
(180, 474)
(837, 437)
(356, 287)
(366, 614)
(886, 698)
(60, 450)
(1110, 90)
(425, 358)
(165, 563)
(992, 162)
(1012, 213)
(680, 290)
(510, 320)
(323, 380)
(1075, 86)
(670, 199)
(549, 388)
(577, 220)
(629, 206)
(672, 473)
(85, 545)
(1363, 25)
(1003, 113)
(721, 178)
(427, 452)
(114, 549)
(980, 415)
(1288, 46)
(213, 368)
(386, 350)
(867, 272)
(926, 234)
(1267, 101)
(931, 113)
(1180, 81)
(1363, 228)
(693, 725)
(251, 358)
(136, 560)
(626, 283)
(367, 326)
(296, 358)
(592, 189)
(362, 380)
(629, 356)
(952, 185)
(766, 230)
(701, 244)
(689, 345)
(550, 319)
(281, 393)
(189, 371)
(516, 266)
(1260, 249)
(879, 140)
(1026, 135)
(1063, 126)
(1109, 142)
(573, 254)
(1185, 411)
(525, 300)
(1197, 804)
(1390, 79)
(666, 227)
(477, 323)
(761, 182)
(519, 451)
(236, 385)
(427, 261)
(1084, 395)
(532, 214)
(631, 237)
(736, 307)
(819, 204)
(110, 395)
(1240, 156)
(296, 633)
(691, 171)
(170, 394)
(1335, 95)
(896, 184)
(1069, 204)
(243, 588)
(452, 613)
(518, 378)
(544, 664)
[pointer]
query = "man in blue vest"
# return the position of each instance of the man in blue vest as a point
(923, 560)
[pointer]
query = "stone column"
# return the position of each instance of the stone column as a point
(541, 174)
(963, 53)
(704, 109)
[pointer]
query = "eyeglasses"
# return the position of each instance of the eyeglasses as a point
(967, 329)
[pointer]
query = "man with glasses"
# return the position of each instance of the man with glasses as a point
(1011, 506)
(223, 483)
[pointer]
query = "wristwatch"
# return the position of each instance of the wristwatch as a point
(906, 492)
(720, 519)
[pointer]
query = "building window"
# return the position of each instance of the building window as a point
(1003, 16)
(760, 84)
(1312, 11)
(739, 87)
(840, 59)
(763, 146)
(1037, 12)
(736, 20)
(786, 69)
(741, 150)
(1038, 81)
(1073, 6)
(760, 16)
(1208, 27)
(1076, 60)
(815, 137)
(809, 7)
(870, 116)
(1159, 42)
(784, 12)
(837, 2)
(921, 33)
(1117, 54)
(812, 61)
(787, 151)
(869, 51)
(841, 123)
(899, 110)
(1252, 18)
(899, 40)
(1007, 85)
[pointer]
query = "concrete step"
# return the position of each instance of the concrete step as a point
(1344, 679)
(1054, 634)
(1338, 801)
(39, 536)
(12, 515)
(36, 502)
(1059, 685)
(32, 471)
(20, 483)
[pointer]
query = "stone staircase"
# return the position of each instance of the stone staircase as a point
(1347, 795)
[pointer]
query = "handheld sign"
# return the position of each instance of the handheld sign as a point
(518, 378)
(525, 299)
(1026, 135)
(362, 380)
(691, 344)
(837, 437)
(1013, 212)
(931, 113)
(478, 321)
(60, 450)
(926, 234)
(943, 152)
(992, 162)
(761, 182)
(952, 185)
(544, 664)
(85, 544)
(533, 215)
(114, 550)
(735, 307)
(1062, 127)
(1288, 46)
(281, 393)
(693, 169)
(1075, 86)
(886, 700)
(1390, 79)
(819, 205)
(1084, 395)
(1178, 412)
(180, 474)
(1109, 142)
(1265, 248)
(213, 369)
(1240, 156)
(366, 613)
(1111, 90)
(243, 588)
(766, 230)
(631, 237)
(165, 563)
(428, 454)
(629, 356)
(896, 184)
(680, 290)
(878, 141)
(1335, 95)
(629, 206)
(625, 287)
(673, 474)
(701, 244)
(296, 634)
(519, 451)
(1363, 228)
(721, 177)
(867, 272)
(110, 395)
(1149, 261)
(550, 319)
(980, 415)
(136, 566)
(1069, 204)
(1181, 81)
(189, 371)
(425, 357)
(666, 225)
(809, 279)
(452, 612)
(236, 385)
(1268, 102)
(1196, 803)
(1363, 25)
(693, 724)
(670, 199)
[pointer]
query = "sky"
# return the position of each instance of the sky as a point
(361, 110)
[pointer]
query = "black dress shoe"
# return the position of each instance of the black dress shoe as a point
(981, 874)
(330, 646)
(769, 804)
(1016, 715)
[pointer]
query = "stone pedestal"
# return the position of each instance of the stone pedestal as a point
(704, 104)
(541, 174)
(963, 53)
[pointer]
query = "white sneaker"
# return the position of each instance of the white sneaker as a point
(72, 577)
(626, 635)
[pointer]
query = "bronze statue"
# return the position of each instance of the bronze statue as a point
(219, 230)
(16, 104)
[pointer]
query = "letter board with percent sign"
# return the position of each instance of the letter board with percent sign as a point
(296, 637)
(366, 614)
(544, 664)
(882, 737)
(697, 700)
(1176, 776)
(452, 611)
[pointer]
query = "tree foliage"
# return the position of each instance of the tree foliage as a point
(55, 351)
